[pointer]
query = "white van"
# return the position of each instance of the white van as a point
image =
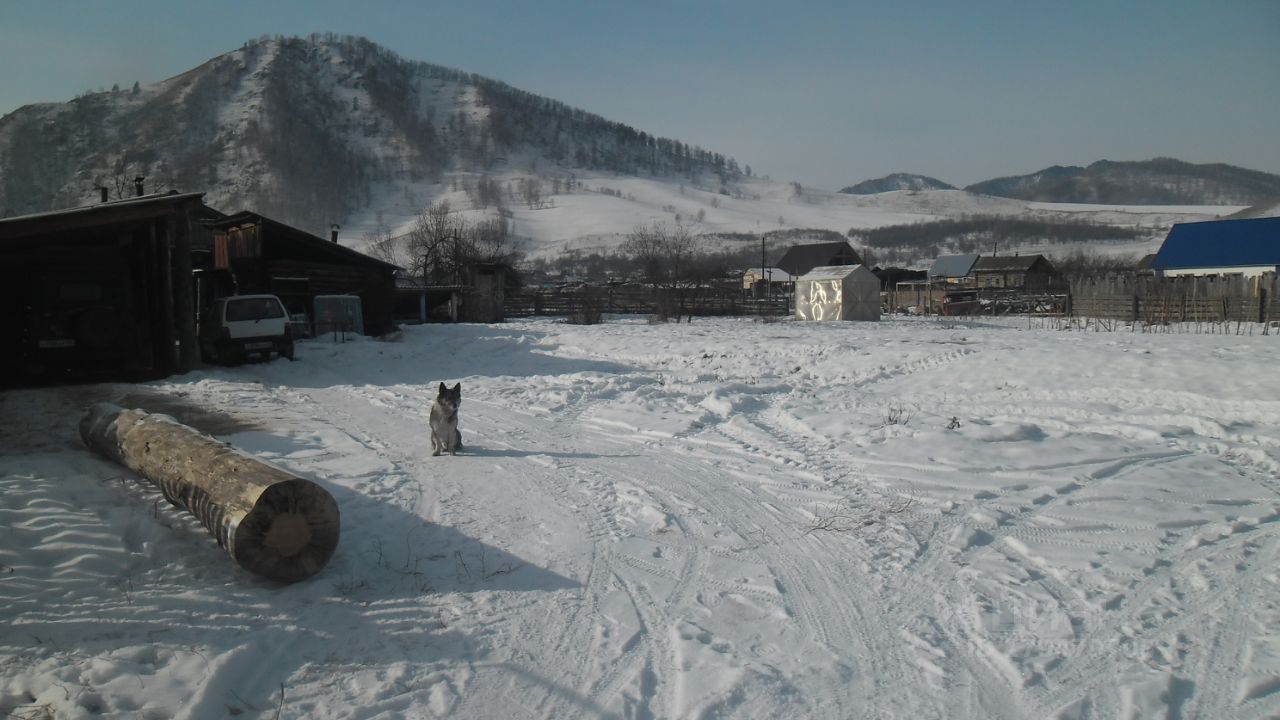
(243, 326)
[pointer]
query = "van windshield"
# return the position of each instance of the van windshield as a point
(253, 309)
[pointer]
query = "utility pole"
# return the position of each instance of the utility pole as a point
(764, 277)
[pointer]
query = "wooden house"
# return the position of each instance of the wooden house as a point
(267, 256)
(953, 270)
(102, 291)
(1024, 273)
(777, 280)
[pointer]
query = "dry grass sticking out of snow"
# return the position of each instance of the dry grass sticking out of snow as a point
(903, 519)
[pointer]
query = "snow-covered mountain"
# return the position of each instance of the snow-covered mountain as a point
(897, 181)
(312, 130)
(329, 129)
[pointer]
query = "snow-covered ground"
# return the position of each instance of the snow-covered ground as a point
(910, 519)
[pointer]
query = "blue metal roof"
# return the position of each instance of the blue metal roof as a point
(1221, 243)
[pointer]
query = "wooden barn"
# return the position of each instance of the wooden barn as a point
(103, 291)
(1024, 273)
(267, 256)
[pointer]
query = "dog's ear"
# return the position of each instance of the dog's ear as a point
(457, 387)
(442, 388)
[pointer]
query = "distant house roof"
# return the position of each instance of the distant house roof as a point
(800, 259)
(773, 274)
(1007, 263)
(1220, 244)
(953, 266)
(1145, 262)
(286, 239)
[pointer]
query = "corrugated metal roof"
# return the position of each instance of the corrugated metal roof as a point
(21, 225)
(1221, 243)
(153, 199)
(953, 266)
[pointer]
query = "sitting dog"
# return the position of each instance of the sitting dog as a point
(445, 435)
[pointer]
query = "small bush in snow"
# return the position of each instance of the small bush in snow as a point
(897, 414)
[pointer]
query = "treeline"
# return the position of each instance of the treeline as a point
(317, 174)
(904, 244)
(718, 257)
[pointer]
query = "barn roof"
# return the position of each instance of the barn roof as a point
(953, 266)
(1007, 263)
(287, 239)
(800, 259)
(1221, 243)
(106, 213)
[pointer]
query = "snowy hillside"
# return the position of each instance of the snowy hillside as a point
(307, 130)
(330, 129)
(905, 519)
(598, 215)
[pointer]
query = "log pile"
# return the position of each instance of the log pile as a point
(272, 523)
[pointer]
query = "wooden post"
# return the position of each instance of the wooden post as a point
(272, 523)
(183, 291)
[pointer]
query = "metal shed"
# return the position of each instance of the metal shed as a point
(841, 292)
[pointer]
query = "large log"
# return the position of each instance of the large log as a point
(271, 523)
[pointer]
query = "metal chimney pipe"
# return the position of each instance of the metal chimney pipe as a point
(102, 192)
(333, 232)
(137, 186)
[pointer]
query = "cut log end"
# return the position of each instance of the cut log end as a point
(290, 533)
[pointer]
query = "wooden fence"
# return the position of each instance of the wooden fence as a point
(1159, 300)
(639, 301)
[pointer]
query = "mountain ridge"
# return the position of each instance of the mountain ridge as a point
(303, 127)
(1158, 181)
(896, 181)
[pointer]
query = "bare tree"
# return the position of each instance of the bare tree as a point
(662, 252)
(531, 189)
(434, 244)
(384, 247)
(665, 257)
(443, 244)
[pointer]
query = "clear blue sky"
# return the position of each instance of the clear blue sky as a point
(825, 93)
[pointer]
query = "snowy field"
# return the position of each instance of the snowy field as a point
(909, 519)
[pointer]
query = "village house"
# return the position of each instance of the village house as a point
(267, 256)
(1249, 247)
(953, 270)
(1024, 273)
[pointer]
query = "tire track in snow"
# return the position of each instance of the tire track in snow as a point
(1011, 526)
